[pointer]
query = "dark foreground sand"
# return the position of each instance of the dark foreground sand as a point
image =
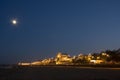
(58, 73)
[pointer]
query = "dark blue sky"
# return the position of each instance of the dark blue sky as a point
(46, 27)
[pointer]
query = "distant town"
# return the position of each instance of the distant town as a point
(104, 57)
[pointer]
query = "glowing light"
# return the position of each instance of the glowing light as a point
(14, 22)
(24, 64)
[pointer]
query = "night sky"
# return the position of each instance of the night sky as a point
(46, 27)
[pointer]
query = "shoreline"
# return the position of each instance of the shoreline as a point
(88, 66)
(79, 66)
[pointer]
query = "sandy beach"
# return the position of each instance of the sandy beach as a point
(59, 73)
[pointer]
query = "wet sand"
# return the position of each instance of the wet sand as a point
(59, 73)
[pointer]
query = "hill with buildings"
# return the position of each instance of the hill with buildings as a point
(104, 57)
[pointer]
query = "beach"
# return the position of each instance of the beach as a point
(59, 73)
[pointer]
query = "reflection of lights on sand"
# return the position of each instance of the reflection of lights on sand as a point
(14, 22)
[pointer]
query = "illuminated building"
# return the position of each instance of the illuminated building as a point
(24, 64)
(96, 61)
(63, 58)
(36, 63)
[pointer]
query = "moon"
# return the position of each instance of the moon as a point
(14, 22)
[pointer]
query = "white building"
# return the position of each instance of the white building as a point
(63, 58)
